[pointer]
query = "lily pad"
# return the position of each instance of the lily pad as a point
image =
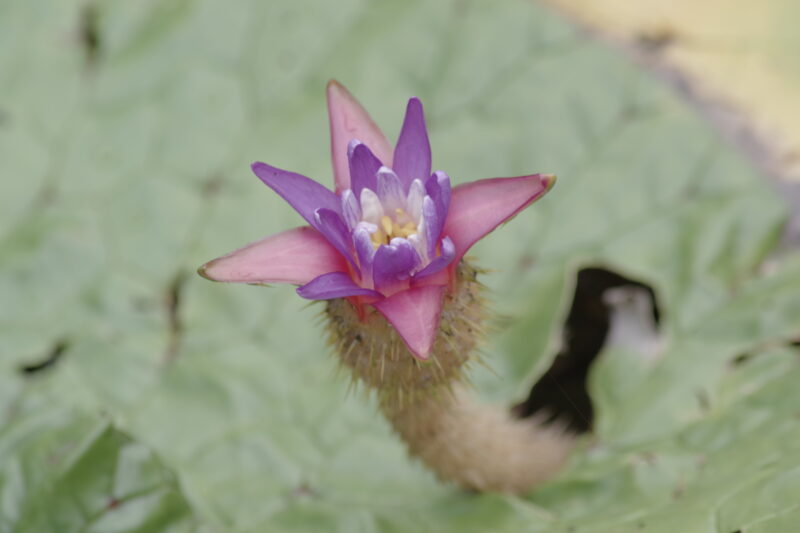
(128, 132)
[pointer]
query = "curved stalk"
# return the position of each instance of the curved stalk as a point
(478, 447)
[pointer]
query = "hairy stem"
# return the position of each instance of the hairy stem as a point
(479, 447)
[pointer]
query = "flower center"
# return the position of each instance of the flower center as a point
(400, 225)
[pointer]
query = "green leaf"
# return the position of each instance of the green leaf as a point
(218, 408)
(63, 471)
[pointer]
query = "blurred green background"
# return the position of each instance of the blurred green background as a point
(174, 404)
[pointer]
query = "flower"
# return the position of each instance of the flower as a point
(391, 234)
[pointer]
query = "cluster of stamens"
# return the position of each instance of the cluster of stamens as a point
(390, 228)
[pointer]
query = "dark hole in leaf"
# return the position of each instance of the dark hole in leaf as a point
(48, 361)
(561, 393)
(90, 33)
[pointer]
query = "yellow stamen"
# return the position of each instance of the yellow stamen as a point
(378, 238)
(405, 231)
(386, 224)
(389, 228)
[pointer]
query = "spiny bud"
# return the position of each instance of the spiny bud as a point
(371, 348)
(476, 446)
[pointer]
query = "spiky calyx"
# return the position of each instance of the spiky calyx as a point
(476, 446)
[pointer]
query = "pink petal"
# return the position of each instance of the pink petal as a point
(295, 256)
(478, 207)
(348, 121)
(443, 278)
(415, 315)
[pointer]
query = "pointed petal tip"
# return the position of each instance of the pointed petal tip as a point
(423, 353)
(261, 171)
(333, 86)
(422, 356)
(333, 83)
(211, 272)
(202, 271)
(548, 180)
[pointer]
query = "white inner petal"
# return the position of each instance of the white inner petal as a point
(367, 226)
(361, 235)
(414, 200)
(371, 208)
(419, 246)
(350, 208)
(422, 237)
(390, 190)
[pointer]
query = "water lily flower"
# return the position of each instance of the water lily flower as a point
(392, 233)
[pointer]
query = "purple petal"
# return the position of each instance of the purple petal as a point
(363, 167)
(333, 285)
(303, 194)
(412, 154)
(438, 188)
(333, 228)
(390, 190)
(433, 224)
(351, 208)
(448, 253)
(393, 262)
